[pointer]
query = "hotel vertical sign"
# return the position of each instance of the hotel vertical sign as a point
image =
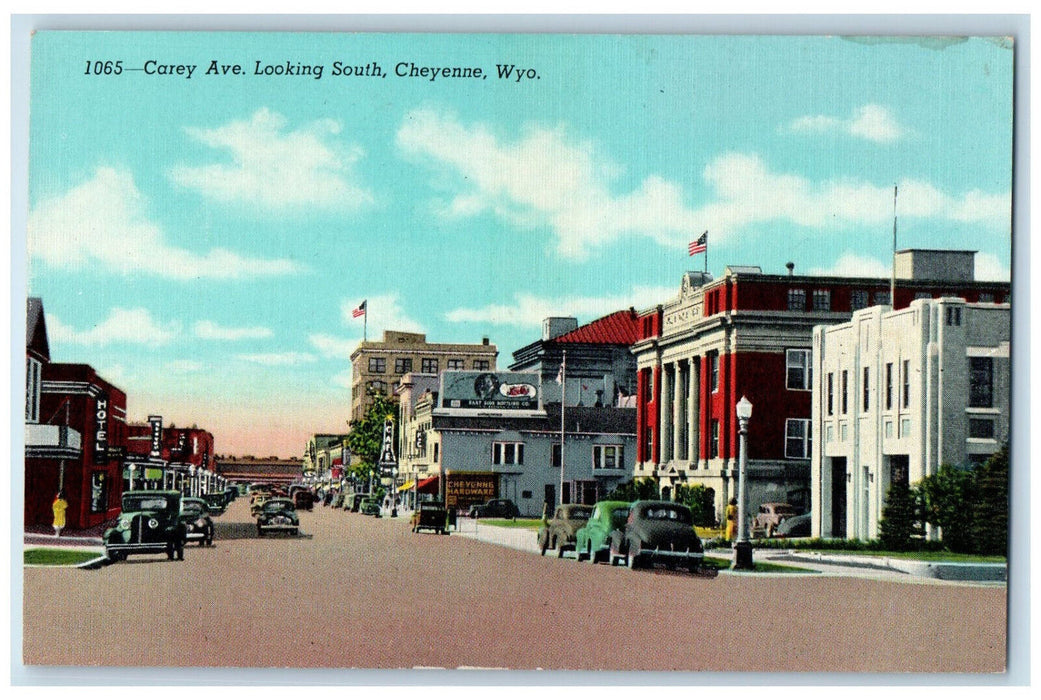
(101, 429)
(157, 436)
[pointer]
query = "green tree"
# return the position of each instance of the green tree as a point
(947, 497)
(700, 501)
(635, 490)
(899, 523)
(366, 436)
(989, 527)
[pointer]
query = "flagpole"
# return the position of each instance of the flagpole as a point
(706, 258)
(365, 323)
(563, 393)
(892, 279)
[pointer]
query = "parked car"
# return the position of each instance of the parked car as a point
(771, 515)
(495, 508)
(278, 515)
(593, 540)
(795, 526)
(230, 494)
(370, 505)
(257, 501)
(198, 525)
(558, 532)
(216, 501)
(353, 502)
(657, 532)
(303, 500)
(430, 515)
(149, 524)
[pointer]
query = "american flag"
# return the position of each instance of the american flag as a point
(698, 246)
(360, 311)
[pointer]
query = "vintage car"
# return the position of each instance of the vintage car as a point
(593, 540)
(303, 499)
(256, 502)
(657, 532)
(353, 501)
(370, 505)
(230, 494)
(430, 515)
(216, 501)
(558, 532)
(198, 526)
(795, 526)
(278, 515)
(149, 524)
(771, 515)
(495, 508)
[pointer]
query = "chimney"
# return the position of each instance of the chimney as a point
(791, 269)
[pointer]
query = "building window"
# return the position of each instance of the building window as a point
(907, 383)
(554, 456)
(713, 445)
(829, 433)
(378, 386)
(403, 365)
(799, 369)
(889, 429)
(607, 456)
(845, 392)
(923, 295)
(455, 364)
(507, 453)
(881, 298)
(831, 393)
(905, 427)
(437, 451)
(481, 364)
(796, 299)
(713, 370)
(981, 382)
(986, 298)
(797, 438)
(429, 365)
(858, 299)
(867, 389)
(843, 432)
(32, 390)
(648, 444)
(377, 365)
(821, 300)
(889, 385)
(953, 314)
(981, 428)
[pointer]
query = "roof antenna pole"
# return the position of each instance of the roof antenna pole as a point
(892, 280)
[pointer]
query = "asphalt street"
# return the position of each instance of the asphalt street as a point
(360, 592)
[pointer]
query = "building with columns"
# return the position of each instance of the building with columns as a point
(897, 394)
(751, 334)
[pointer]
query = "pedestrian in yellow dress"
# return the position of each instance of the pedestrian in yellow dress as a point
(59, 507)
(731, 516)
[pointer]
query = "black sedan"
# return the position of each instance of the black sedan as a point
(658, 532)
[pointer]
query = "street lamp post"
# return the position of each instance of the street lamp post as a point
(743, 548)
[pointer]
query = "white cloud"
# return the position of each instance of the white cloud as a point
(529, 309)
(275, 168)
(343, 379)
(546, 179)
(872, 122)
(128, 326)
(183, 366)
(852, 265)
(990, 269)
(333, 347)
(384, 312)
(275, 359)
(210, 330)
(104, 221)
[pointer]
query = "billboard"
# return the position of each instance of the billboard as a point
(511, 391)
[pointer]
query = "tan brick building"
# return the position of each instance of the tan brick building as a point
(381, 364)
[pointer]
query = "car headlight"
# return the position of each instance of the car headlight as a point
(124, 524)
(200, 523)
(153, 523)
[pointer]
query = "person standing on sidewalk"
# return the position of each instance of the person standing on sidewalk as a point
(731, 518)
(59, 507)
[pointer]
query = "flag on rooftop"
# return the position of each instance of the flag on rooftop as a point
(360, 311)
(699, 246)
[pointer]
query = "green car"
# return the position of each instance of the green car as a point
(593, 541)
(149, 524)
(370, 506)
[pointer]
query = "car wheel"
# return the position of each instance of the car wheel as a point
(170, 551)
(115, 556)
(295, 531)
(561, 546)
(543, 546)
(260, 531)
(770, 530)
(632, 559)
(588, 556)
(180, 551)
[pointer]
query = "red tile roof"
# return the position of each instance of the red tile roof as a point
(619, 328)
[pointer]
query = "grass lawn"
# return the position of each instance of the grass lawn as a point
(524, 523)
(58, 557)
(760, 567)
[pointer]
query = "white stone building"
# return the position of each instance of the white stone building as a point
(898, 393)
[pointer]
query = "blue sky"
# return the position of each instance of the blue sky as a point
(202, 241)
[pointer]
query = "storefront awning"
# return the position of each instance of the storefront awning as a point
(406, 486)
(428, 485)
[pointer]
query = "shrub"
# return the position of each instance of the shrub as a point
(899, 518)
(989, 528)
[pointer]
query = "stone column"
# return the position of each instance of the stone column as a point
(665, 416)
(678, 417)
(693, 405)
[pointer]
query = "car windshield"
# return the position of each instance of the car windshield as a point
(667, 513)
(133, 503)
(579, 515)
(619, 516)
(193, 508)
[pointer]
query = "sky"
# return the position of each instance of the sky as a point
(201, 241)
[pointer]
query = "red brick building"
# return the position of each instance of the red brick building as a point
(750, 334)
